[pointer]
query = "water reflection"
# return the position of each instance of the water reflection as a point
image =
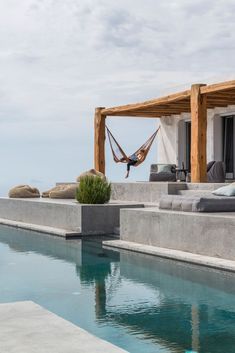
(138, 302)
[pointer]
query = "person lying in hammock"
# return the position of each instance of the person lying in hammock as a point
(133, 160)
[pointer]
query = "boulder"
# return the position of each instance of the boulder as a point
(66, 191)
(23, 191)
(91, 172)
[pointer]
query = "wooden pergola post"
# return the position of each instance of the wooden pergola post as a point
(99, 146)
(198, 135)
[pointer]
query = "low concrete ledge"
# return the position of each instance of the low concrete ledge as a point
(65, 218)
(42, 212)
(208, 234)
(25, 327)
(147, 192)
(216, 263)
(41, 229)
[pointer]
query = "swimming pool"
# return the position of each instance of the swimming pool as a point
(138, 302)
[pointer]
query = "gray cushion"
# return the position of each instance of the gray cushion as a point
(197, 203)
(165, 168)
(218, 204)
(162, 168)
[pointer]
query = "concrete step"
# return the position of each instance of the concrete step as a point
(194, 192)
(209, 234)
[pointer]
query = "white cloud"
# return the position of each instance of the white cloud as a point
(61, 58)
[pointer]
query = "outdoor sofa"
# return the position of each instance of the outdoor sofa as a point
(167, 172)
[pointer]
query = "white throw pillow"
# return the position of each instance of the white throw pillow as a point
(228, 190)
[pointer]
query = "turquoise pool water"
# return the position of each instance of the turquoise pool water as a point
(140, 303)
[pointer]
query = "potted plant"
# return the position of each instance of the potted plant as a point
(93, 190)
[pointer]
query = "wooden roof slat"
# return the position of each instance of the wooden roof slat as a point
(228, 102)
(224, 94)
(219, 99)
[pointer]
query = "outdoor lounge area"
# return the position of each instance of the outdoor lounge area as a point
(189, 209)
(117, 187)
(196, 128)
(194, 208)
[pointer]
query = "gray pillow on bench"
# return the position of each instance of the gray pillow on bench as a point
(228, 190)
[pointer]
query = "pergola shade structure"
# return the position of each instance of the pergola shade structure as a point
(195, 101)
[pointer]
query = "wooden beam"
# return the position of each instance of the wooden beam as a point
(223, 86)
(146, 115)
(198, 133)
(99, 141)
(157, 112)
(148, 104)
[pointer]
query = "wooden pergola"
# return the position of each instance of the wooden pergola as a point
(195, 101)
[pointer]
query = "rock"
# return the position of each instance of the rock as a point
(23, 191)
(66, 191)
(91, 172)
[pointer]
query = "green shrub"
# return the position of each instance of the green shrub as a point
(93, 190)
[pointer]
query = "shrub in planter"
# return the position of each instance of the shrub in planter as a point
(93, 190)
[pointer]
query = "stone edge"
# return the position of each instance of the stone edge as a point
(40, 228)
(196, 259)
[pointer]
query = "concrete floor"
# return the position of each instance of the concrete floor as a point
(25, 327)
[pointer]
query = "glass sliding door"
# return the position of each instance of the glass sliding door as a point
(228, 145)
(188, 144)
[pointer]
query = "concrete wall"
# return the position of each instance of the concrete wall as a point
(102, 219)
(67, 215)
(143, 192)
(51, 214)
(205, 234)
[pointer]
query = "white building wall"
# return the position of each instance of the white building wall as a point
(168, 140)
(171, 138)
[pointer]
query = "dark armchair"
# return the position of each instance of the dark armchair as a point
(215, 172)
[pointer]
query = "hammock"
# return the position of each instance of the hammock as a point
(120, 156)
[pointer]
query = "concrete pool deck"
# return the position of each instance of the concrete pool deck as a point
(25, 327)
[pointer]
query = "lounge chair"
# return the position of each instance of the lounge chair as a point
(162, 172)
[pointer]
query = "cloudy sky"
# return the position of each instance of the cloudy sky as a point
(59, 59)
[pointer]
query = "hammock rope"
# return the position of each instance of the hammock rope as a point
(120, 156)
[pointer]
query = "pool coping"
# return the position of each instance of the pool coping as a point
(59, 232)
(178, 255)
(27, 327)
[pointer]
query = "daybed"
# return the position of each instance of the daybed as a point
(210, 203)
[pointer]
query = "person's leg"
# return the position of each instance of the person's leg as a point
(128, 166)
